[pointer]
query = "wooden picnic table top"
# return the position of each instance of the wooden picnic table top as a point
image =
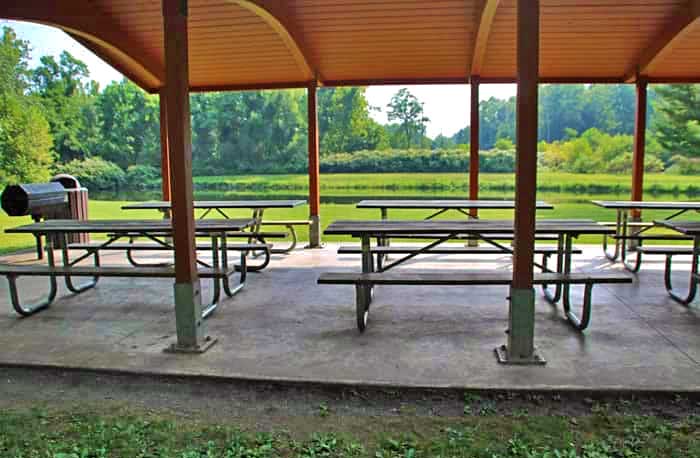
(221, 204)
(691, 228)
(637, 204)
(119, 226)
(447, 203)
(383, 227)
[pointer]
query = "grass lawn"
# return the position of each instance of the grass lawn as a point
(455, 182)
(74, 432)
(341, 191)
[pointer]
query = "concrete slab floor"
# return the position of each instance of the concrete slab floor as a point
(284, 326)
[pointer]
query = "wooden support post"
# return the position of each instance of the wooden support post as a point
(474, 144)
(164, 150)
(314, 169)
(188, 313)
(520, 348)
(640, 127)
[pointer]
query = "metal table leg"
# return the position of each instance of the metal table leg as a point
(363, 293)
(242, 269)
(694, 276)
(31, 309)
(625, 244)
(66, 262)
(561, 253)
(578, 323)
(211, 307)
(618, 231)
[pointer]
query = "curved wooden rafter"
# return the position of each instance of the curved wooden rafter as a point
(664, 43)
(94, 29)
(277, 15)
(488, 13)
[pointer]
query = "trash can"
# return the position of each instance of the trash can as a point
(77, 206)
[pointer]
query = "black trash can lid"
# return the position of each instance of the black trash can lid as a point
(67, 181)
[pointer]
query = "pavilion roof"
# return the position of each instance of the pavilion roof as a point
(247, 44)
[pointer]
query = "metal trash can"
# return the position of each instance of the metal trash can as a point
(77, 206)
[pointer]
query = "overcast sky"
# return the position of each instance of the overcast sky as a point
(447, 106)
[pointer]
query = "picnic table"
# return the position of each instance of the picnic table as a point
(158, 231)
(561, 277)
(443, 205)
(219, 207)
(691, 229)
(624, 238)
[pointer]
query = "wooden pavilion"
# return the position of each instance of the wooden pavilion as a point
(174, 47)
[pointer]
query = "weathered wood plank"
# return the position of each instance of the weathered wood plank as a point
(222, 204)
(91, 271)
(672, 250)
(462, 278)
(449, 203)
(630, 205)
(133, 226)
(485, 227)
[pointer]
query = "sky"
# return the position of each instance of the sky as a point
(447, 106)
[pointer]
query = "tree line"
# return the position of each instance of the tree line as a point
(54, 118)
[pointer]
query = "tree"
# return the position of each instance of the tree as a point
(129, 132)
(405, 108)
(67, 97)
(345, 123)
(442, 142)
(678, 114)
(25, 141)
(496, 120)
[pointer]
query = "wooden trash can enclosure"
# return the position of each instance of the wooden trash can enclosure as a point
(76, 205)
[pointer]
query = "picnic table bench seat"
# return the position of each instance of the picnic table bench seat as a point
(106, 271)
(13, 271)
(640, 237)
(364, 280)
(666, 250)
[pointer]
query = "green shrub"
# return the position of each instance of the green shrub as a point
(142, 176)
(95, 173)
(684, 165)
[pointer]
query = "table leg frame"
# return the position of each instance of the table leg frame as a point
(30, 309)
(694, 277)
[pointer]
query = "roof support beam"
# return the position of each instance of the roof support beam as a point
(640, 128)
(520, 348)
(665, 41)
(314, 168)
(279, 17)
(488, 13)
(191, 330)
(83, 21)
(474, 144)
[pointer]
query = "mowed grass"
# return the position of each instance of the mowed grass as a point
(342, 191)
(72, 432)
(456, 182)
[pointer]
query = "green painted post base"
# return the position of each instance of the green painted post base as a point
(315, 232)
(520, 348)
(191, 330)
